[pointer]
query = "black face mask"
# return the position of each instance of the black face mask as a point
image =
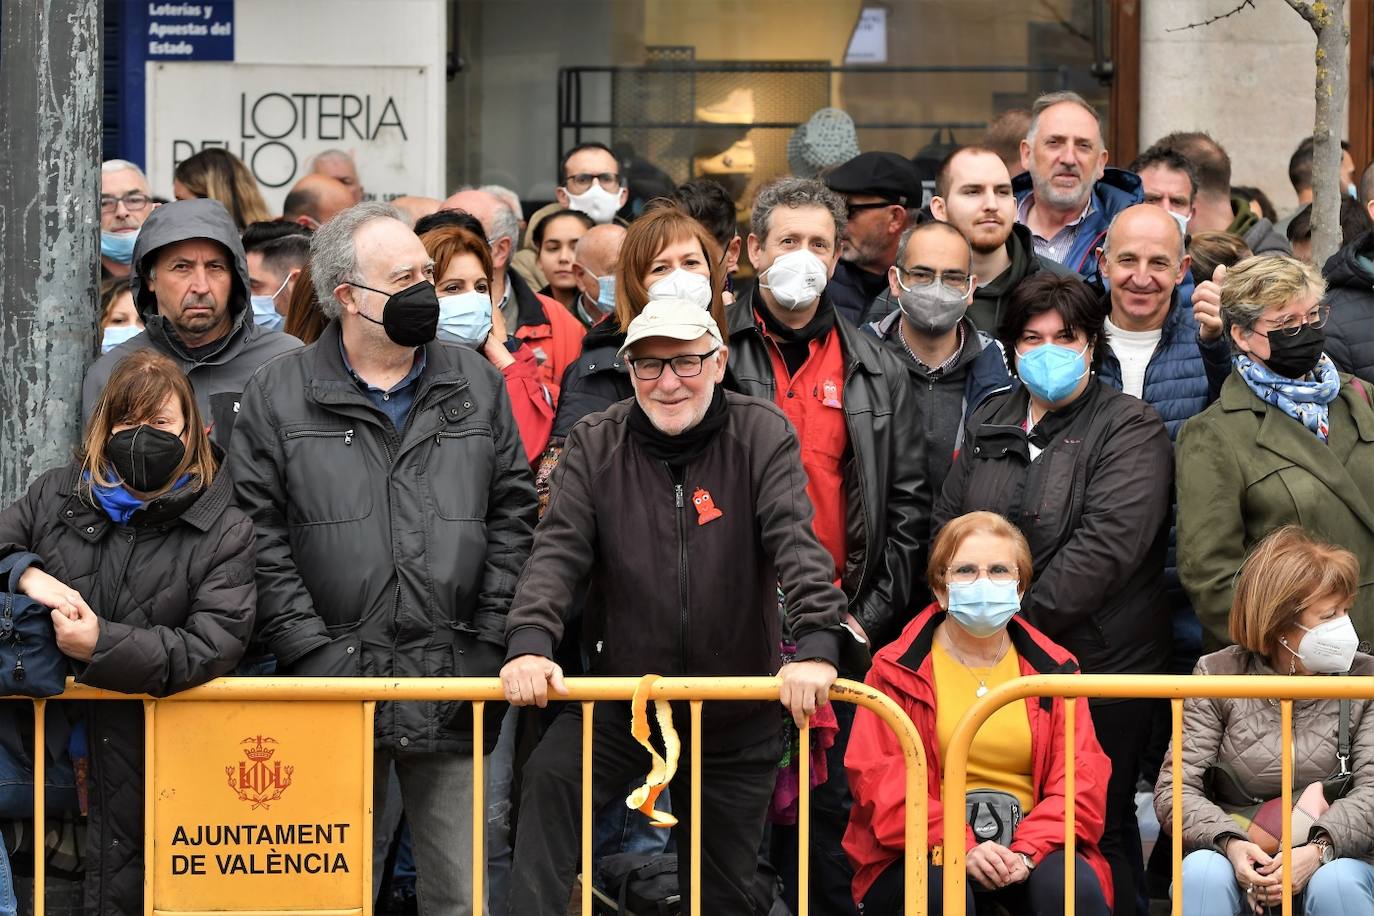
(145, 458)
(410, 316)
(1293, 357)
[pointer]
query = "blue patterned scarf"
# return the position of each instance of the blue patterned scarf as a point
(1304, 399)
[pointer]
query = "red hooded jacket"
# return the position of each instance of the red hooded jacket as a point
(903, 671)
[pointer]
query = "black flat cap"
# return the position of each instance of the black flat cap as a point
(885, 175)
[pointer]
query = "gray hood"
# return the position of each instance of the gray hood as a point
(201, 218)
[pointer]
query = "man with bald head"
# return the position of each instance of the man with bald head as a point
(315, 200)
(415, 208)
(339, 165)
(1157, 350)
(553, 334)
(594, 262)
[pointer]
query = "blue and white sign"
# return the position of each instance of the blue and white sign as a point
(190, 31)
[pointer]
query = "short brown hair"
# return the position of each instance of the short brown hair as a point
(952, 536)
(647, 237)
(111, 288)
(137, 388)
(1287, 572)
(447, 242)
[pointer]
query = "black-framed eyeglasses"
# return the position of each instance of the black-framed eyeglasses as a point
(875, 205)
(909, 278)
(132, 202)
(688, 365)
(582, 182)
(1291, 325)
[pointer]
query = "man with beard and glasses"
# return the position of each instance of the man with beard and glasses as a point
(973, 194)
(1068, 196)
(953, 364)
(882, 192)
(191, 287)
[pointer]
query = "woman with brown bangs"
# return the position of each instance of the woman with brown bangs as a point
(147, 567)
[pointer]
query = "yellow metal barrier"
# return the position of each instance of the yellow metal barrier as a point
(370, 691)
(1173, 688)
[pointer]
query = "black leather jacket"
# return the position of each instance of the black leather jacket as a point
(888, 502)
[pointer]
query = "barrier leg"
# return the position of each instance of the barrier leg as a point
(1176, 837)
(479, 808)
(40, 807)
(1070, 710)
(695, 881)
(804, 820)
(587, 824)
(1286, 714)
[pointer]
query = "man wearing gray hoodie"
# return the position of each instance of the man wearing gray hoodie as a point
(190, 284)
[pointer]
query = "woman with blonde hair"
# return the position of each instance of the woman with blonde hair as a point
(1290, 616)
(148, 568)
(1290, 441)
(220, 175)
(970, 640)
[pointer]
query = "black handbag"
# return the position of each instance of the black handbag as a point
(993, 815)
(643, 885)
(31, 665)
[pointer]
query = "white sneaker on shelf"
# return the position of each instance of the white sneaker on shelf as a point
(737, 160)
(735, 108)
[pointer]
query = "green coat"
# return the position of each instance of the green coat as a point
(1245, 468)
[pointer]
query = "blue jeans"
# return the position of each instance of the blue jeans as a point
(617, 828)
(1344, 887)
(8, 905)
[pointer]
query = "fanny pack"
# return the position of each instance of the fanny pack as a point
(993, 815)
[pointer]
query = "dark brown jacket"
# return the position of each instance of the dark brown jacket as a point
(666, 591)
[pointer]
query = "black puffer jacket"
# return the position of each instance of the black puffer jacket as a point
(886, 494)
(175, 594)
(1094, 507)
(1350, 293)
(381, 554)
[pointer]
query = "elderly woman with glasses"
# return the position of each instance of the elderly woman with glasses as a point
(969, 641)
(1289, 442)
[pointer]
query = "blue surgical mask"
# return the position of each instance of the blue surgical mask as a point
(983, 607)
(465, 318)
(115, 335)
(1051, 372)
(1350, 189)
(118, 246)
(605, 292)
(265, 312)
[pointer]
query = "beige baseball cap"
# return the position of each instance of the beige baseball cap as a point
(677, 319)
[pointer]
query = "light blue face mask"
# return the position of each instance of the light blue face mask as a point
(265, 314)
(465, 318)
(118, 246)
(115, 335)
(983, 606)
(1350, 189)
(605, 292)
(1051, 372)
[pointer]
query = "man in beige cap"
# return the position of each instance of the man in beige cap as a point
(682, 510)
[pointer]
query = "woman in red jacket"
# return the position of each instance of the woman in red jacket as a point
(951, 654)
(462, 278)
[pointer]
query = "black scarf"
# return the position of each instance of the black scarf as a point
(795, 345)
(677, 451)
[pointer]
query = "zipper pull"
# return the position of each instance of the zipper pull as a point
(677, 488)
(348, 437)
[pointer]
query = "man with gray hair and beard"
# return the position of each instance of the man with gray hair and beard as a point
(1067, 196)
(394, 509)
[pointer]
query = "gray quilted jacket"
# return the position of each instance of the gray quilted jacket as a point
(1244, 735)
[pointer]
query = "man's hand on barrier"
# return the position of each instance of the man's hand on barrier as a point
(1207, 304)
(526, 680)
(805, 687)
(77, 635)
(993, 866)
(52, 593)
